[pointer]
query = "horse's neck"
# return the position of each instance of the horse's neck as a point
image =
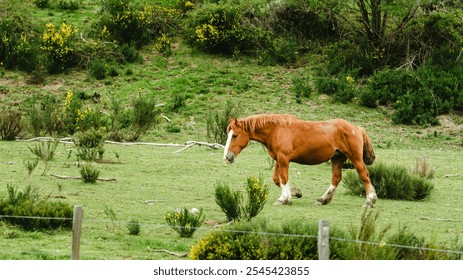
(261, 134)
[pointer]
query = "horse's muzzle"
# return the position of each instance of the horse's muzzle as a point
(230, 157)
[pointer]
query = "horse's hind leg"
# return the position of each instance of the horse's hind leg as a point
(336, 171)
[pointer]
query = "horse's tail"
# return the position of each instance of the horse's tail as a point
(368, 153)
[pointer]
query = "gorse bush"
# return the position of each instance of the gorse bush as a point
(59, 45)
(257, 195)
(19, 38)
(391, 182)
(222, 28)
(27, 210)
(229, 201)
(296, 240)
(248, 241)
(145, 115)
(90, 144)
(184, 222)
(235, 207)
(131, 23)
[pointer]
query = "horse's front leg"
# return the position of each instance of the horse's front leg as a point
(276, 174)
(280, 177)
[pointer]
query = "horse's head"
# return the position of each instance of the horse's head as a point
(237, 140)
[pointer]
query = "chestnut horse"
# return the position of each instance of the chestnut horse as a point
(290, 139)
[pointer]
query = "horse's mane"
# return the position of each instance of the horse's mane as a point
(252, 123)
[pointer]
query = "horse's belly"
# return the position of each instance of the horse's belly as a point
(313, 157)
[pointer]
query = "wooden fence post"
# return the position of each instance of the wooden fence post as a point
(323, 241)
(76, 231)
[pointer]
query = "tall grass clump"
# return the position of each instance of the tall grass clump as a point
(379, 243)
(391, 182)
(184, 222)
(423, 168)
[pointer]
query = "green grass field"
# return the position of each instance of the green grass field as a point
(151, 181)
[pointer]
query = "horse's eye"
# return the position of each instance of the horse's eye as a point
(234, 136)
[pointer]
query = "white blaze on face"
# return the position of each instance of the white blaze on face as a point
(227, 144)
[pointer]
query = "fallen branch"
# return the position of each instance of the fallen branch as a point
(436, 219)
(65, 140)
(167, 251)
(190, 144)
(185, 146)
(80, 178)
(144, 143)
(151, 201)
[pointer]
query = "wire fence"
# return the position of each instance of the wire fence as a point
(67, 253)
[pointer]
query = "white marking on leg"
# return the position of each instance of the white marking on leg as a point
(371, 197)
(328, 195)
(285, 197)
(227, 144)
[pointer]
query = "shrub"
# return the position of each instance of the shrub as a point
(222, 28)
(89, 173)
(258, 241)
(391, 182)
(134, 227)
(232, 203)
(301, 88)
(342, 89)
(45, 151)
(184, 222)
(98, 69)
(217, 122)
(42, 4)
(145, 115)
(76, 116)
(229, 201)
(130, 23)
(19, 39)
(68, 5)
(278, 50)
(59, 45)
(257, 195)
(10, 124)
(23, 206)
(418, 96)
(90, 144)
(303, 20)
(44, 115)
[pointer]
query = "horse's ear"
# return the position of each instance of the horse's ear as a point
(236, 122)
